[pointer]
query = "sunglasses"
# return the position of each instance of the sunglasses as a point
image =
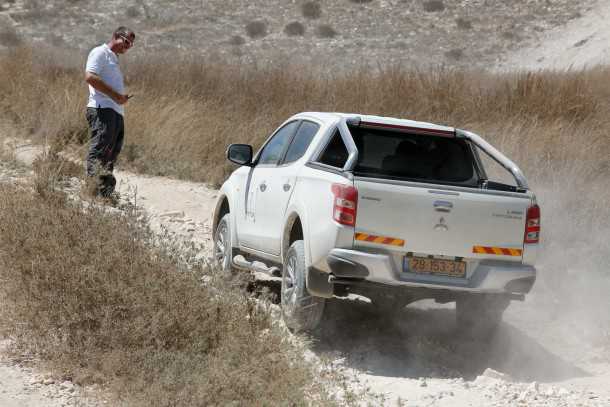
(126, 40)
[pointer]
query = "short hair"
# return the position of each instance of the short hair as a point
(124, 31)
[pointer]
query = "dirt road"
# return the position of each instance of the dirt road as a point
(543, 354)
(580, 43)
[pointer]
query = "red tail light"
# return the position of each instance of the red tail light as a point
(532, 225)
(345, 204)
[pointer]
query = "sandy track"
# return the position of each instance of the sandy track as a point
(582, 42)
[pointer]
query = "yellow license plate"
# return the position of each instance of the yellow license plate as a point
(425, 265)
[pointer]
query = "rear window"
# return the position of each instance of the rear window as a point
(336, 153)
(390, 154)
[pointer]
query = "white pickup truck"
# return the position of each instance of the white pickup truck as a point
(393, 210)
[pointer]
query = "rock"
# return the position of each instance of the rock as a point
(522, 397)
(172, 214)
(67, 385)
(48, 381)
(550, 392)
(422, 383)
(494, 374)
(533, 387)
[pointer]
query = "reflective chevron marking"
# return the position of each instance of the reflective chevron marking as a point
(499, 251)
(364, 237)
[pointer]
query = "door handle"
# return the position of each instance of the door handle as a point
(286, 187)
(263, 187)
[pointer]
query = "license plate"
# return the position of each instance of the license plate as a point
(424, 265)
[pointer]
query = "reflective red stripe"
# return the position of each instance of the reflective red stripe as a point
(417, 130)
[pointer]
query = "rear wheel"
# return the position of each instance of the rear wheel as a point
(479, 315)
(222, 244)
(301, 311)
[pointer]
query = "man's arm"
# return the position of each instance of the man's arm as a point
(101, 86)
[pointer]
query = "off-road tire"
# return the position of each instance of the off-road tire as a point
(479, 315)
(302, 312)
(223, 251)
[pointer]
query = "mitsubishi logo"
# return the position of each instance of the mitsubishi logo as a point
(441, 225)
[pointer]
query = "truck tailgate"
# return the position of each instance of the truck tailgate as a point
(399, 216)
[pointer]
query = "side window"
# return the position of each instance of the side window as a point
(301, 141)
(336, 153)
(272, 152)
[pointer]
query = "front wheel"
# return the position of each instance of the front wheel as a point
(222, 244)
(301, 311)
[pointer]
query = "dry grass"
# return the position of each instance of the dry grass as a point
(187, 111)
(102, 299)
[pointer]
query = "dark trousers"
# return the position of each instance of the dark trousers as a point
(107, 131)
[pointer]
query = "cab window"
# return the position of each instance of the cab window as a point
(301, 141)
(273, 150)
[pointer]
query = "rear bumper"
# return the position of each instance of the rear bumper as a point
(485, 276)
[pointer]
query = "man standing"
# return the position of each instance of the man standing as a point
(105, 108)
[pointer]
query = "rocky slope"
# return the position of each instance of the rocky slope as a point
(340, 33)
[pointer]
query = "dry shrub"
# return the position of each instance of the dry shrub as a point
(132, 12)
(463, 24)
(311, 10)
(433, 6)
(455, 54)
(325, 31)
(237, 40)
(294, 29)
(102, 299)
(51, 170)
(9, 37)
(256, 29)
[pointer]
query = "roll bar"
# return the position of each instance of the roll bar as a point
(472, 137)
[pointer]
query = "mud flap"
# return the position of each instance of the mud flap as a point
(317, 283)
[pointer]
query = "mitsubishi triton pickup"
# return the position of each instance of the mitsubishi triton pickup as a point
(390, 209)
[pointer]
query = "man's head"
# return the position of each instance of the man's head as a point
(122, 39)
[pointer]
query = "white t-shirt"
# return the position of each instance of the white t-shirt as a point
(105, 64)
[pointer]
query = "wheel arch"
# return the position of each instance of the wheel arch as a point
(293, 230)
(222, 208)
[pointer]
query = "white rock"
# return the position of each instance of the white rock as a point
(522, 397)
(172, 214)
(533, 387)
(494, 374)
(66, 385)
(48, 381)
(35, 381)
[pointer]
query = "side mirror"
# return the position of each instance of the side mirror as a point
(240, 154)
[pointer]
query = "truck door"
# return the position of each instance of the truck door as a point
(280, 183)
(261, 189)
